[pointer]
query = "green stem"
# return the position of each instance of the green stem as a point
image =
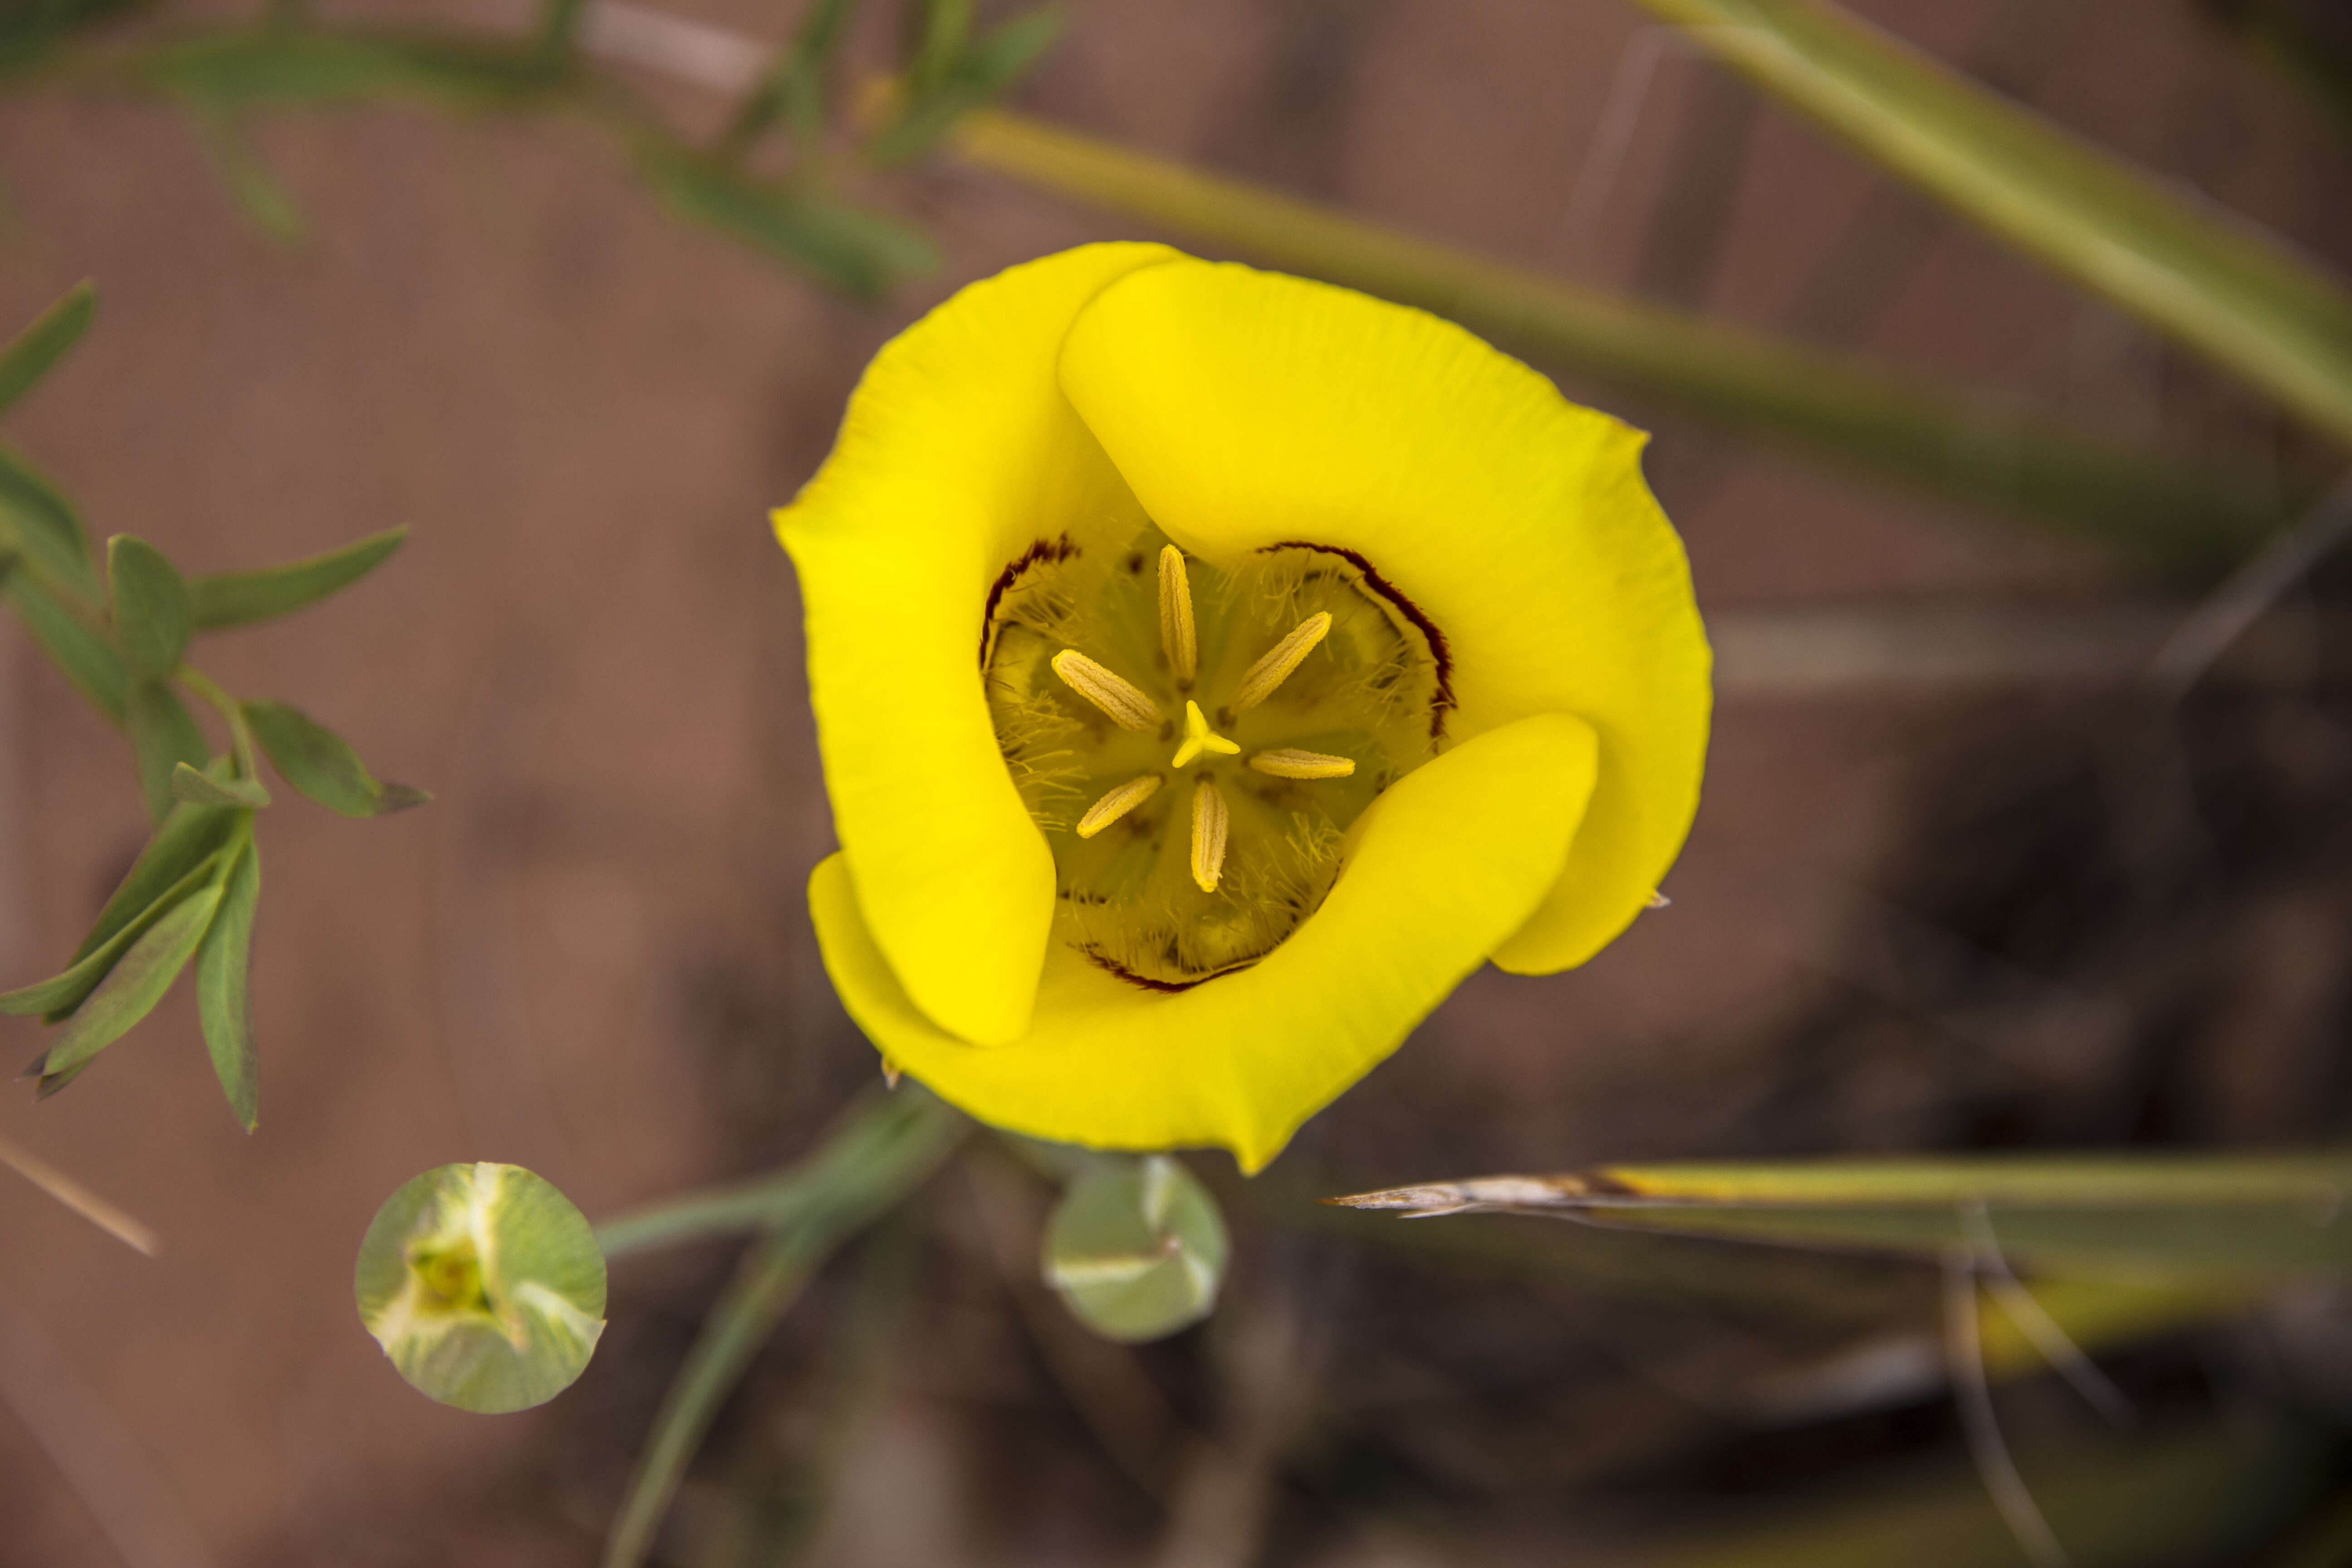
(239, 736)
(878, 1154)
(1963, 444)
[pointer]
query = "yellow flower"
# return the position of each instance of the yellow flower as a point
(1211, 668)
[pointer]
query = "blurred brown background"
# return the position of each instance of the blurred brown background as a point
(591, 956)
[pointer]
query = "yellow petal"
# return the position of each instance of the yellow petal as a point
(958, 453)
(1445, 864)
(1246, 408)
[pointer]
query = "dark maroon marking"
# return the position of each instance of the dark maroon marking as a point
(1046, 551)
(1144, 982)
(1443, 703)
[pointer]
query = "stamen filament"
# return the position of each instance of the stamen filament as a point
(1176, 633)
(1117, 804)
(1198, 738)
(1286, 655)
(1210, 821)
(1129, 707)
(1289, 763)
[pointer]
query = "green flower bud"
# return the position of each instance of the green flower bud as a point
(1136, 1248)
(484, 1284)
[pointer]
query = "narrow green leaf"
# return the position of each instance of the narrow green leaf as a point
(1972, 444)
(87, 659)
(163, 736)
(322, 766)
(793, 89)
(2209, 280)
(151, 616)
(2201, 1495)
(848, 1184)
(1136, 1248)
(181, 843)
(228, 73)
(51, 529)
(220, 131)
(845, 248)
(202, 788)
(28, 358)
(238, 599)
(225, 987)
(981, 74)
(57, 996)
(484, 1286)
(940, 47)
(130, 990)
(2274, 1213)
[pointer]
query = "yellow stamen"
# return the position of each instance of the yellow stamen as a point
(1275, 666)
(1116, 804)
(1198, 738)
(1176, 630)
(1210, 821)
(1288, 763)
(1129, 707)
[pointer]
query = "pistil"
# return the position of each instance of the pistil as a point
(1200, 737)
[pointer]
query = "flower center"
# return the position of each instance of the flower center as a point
(1283, 693)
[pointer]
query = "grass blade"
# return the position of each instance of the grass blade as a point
(1969, 445)
(28, 357)
(240, 598)
(2206, 279)
(225, 987)
(875, 1158)
(2264, 1214)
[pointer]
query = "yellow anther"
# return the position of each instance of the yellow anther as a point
(1288, 763)
(1275, 666)
(1198, 738)
(1116, 804)
(1129, 707)
(1177, 634)
(1210, 821)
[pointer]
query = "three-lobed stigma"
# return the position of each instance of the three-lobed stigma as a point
(1289, 690)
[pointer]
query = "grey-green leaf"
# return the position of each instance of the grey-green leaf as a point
(163, 736)
(239, 598)
(321, 764)
(484, 1286)
(183, 841)
(200, 788)
(224, 988)
(28, 358)
(131, 988)
(1136, 1248)
(60, 995)
(849, 248)
(152, 617)
(87, 659)
(50, 529)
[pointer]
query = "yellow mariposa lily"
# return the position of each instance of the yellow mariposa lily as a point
(1211, 668)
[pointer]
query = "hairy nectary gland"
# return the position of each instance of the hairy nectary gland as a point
(1195, 742)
